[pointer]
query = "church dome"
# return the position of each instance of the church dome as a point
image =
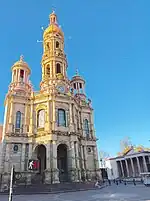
(21, 64)
(53, 27)
(77, 77)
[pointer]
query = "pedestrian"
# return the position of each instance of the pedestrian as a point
(97, 184)
(134, 182)
(109, 182)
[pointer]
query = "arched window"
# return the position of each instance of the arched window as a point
(48, 70)
(41, 119)
(47, 46)
(61, 117)
(86, 127)
(18, 119)
(57, 44)
(58, 68)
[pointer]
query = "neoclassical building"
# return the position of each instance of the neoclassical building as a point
(54, 125)
(131, 163)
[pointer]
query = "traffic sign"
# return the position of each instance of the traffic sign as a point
(33, 165)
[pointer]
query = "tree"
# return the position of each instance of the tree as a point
(103, 156)
(125, 143)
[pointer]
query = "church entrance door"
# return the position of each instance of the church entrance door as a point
(41, 156)
(62, 162)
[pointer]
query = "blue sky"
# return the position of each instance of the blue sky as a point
(108, 41)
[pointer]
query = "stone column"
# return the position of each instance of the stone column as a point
(77, 160)
(85, 160)
(29, 175)
(83, 171)
(97, 171)
(127, 167)
(26, 118)
(73, 170)
(55, 169)
(122, 170)
(48, 164)
(48, 115)
(7, 161)
(31, 119)
(91, 125)
(138, 164)
(71, 117)
(132, 165)
(23, 157)
(54, 115)
(11, 119)
(145, 165)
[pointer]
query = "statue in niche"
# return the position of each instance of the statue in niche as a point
(41, 119)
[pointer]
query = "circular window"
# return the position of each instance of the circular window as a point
(15, 148)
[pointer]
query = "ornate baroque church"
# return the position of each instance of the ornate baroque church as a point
(54, 125)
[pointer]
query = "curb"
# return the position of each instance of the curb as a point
(53, 192)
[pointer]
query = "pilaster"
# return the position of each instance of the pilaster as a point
(55, 169)
(31, 119)
(11, 115)
(23, 157)
(77, 160)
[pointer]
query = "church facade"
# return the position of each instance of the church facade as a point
(54, 125)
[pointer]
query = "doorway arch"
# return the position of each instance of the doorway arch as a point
(62, 162)
(41, 156)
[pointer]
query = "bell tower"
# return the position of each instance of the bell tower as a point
(54, 63)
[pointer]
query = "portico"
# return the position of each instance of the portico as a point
(133, 165)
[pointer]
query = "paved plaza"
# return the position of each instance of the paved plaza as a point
(112, 193)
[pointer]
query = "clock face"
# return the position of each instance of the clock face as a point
(61, 89)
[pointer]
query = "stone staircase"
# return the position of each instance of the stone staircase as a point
(52, 188)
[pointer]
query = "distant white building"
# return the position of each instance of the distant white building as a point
(132, 162)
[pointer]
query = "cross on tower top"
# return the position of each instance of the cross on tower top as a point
(21, 58)
(77, 72)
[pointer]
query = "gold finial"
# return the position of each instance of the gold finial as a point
(21, 58)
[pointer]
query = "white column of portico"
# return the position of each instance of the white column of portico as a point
(23, 157)
(138, 163)
(132, 165)
(127, 167)
(122, 170)
(145, 165)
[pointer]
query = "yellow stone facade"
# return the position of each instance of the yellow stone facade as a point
(54, 125)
